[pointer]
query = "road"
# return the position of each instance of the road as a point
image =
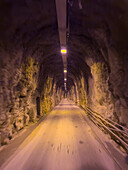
(62, 141)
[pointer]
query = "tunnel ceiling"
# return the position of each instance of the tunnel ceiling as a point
(30, 28)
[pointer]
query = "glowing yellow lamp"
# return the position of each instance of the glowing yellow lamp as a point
(65, 71)
(63, 51)
(65, 79)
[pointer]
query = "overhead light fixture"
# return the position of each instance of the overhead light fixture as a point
(65, 71)
(63, 51)
(65, 79)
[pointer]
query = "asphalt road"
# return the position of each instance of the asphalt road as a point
(63, 141)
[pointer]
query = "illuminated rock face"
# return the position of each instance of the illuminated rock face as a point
(31, 68)
(21, 102)
(102, 100)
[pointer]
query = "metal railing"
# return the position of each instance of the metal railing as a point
(117, 132)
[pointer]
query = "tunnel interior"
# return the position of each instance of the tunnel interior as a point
(31, 66)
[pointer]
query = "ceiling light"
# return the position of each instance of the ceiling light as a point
(63, 51)
(65, 71)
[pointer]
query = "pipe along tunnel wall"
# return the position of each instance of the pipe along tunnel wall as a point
(31, 67)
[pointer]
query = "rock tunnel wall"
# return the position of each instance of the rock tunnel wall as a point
(20, 100)
(104, 92)
(99, 50)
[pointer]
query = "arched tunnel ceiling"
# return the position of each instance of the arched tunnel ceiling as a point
(31, 27)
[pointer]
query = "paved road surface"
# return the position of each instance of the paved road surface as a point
(63, 141)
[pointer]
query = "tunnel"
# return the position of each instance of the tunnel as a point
(64, 55)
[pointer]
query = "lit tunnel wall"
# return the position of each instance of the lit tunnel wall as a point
(31, 67)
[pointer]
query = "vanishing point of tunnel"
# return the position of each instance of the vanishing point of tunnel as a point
(63, 84)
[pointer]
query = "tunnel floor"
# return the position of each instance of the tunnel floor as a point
(63, 141)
